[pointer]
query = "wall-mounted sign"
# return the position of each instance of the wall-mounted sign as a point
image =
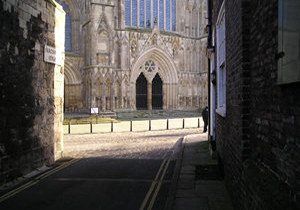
(52, 55)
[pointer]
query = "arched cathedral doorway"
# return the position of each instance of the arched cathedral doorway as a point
(157, 94)
(159, 90)
(141, 92)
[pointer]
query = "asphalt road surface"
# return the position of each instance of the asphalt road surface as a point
(102, 182)
(97, 183)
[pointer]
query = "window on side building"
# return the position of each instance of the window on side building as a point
(221, 64)
(288, 41)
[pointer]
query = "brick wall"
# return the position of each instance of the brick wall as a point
(231, 130)
(275, 116)
(31, 99)
(258, 140)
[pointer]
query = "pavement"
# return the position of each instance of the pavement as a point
(200, 185)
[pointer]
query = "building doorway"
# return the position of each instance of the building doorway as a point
(157, 96)
(141, 92)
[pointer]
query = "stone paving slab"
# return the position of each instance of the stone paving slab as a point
(216, 192)
(182, 193)
(199, 203)
(195, 194)
(188, 169)
(186, 184)
(187, 176)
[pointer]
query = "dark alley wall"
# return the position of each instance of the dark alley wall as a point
(258, 140)
(275, 116)
(27, 109)
(231, 131)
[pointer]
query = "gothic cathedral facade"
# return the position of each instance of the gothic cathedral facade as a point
(135, 54)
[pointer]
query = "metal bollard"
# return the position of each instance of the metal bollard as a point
(167, 124)
(198, 122)
(149, 125)
(130, 125)
(112, 126)
(183, 123)
(91, 127)
(69, 128)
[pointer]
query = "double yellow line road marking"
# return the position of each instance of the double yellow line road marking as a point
(156, 184)
(149, 199)
(36, 180)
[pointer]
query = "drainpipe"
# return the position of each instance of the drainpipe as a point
(210, 48)
(209, 24)
(209, 38)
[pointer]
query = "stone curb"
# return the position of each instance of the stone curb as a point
(175, 178)
(30, 176)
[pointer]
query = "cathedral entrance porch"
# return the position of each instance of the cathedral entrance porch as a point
(149, 95)
(160, 71)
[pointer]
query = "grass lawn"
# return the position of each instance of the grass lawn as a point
(88, 120)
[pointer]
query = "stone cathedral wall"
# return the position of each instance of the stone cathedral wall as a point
(100, 68)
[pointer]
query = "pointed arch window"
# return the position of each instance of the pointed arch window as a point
(134, 12)
(148, 14)
(143, 13)
(168, 13)
(68, 26)
(173, 15)
(161, 14)
(127, 12)
(155, 11)
(68, 33)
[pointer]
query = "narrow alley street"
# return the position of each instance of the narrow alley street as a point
(149, 105)
(110, 171)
